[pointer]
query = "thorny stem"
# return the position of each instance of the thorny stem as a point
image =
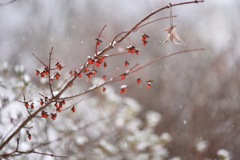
(111, 46)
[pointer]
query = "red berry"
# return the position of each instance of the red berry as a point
(57, 76)
(26, 105)
(73, 109)
(32, 106)
(126, 63)
(53, 116)
(139, 80)
(37, 72)
(103, 89)
(104, 65)
(123, 89)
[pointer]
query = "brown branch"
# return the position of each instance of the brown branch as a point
(39, 60)
(164, 57)
(90, 89)
(99, 35)
(41, 153)
(155, 21)
(32, 151)
(7, 3)
(140, 22)
(132, 70)
(74, 132)
(140, 26)
(86, 65)
(150, 15)
(24, 123)
(17, 152)
(49, 76)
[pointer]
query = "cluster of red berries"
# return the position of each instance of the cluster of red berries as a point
(59, 105)
(27, 105)
(132, 50)
(144, 39)
(96, 60)
(46, 72)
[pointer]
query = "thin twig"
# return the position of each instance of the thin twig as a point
(49, 76)
(81, 128)
(132, 70)
(164, 57)
(99, 35)
(39, 60)
(32, 151)
(7, 3)
(140, 22)
(155, 21)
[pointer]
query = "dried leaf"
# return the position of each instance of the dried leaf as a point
(173, 36)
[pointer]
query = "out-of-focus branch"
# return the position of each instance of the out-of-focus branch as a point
(7, 3)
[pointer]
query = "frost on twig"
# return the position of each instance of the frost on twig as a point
(173, 36)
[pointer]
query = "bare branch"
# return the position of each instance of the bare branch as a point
(98, 39)
(7, 3)
(49, 76)
(164, 57)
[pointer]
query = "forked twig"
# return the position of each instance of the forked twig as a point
(101, 53)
